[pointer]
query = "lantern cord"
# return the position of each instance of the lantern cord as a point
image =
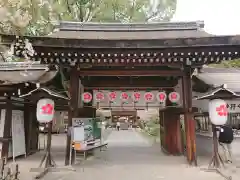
(216, 162)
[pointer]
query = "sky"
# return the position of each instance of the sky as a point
(221, 17)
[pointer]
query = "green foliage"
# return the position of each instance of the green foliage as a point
(228, 64)
(38, 17)
(152, 126)
(32, 17)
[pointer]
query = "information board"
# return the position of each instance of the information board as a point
(78, 134)
(91, 129)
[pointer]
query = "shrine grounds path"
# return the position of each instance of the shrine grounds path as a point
(130, 156)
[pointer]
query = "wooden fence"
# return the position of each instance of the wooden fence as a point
(203, 121)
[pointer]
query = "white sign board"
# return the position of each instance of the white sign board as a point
(78, 134)
(18, 134)
(77, 130)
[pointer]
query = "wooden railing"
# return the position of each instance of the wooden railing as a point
(203, 122)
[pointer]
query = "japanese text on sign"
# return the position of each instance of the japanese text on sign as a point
(233, 106)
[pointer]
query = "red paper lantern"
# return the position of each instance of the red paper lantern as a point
(161, 96)
(87, 97)
(99, 96)
(174, 97)
(136, 96)
(112, 96)
(149, 97)
(124, 96)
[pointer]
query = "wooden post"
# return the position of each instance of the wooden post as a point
(7, 128)
(188, 117)
(73, 109)
(26, 125)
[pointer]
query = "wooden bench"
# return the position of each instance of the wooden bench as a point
(87, 149)
(90, 148)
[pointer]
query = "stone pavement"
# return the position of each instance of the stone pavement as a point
(130, 156)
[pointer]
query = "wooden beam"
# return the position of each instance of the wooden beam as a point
(104, 83)
(165, 73)
(124, 88)
(194, 56)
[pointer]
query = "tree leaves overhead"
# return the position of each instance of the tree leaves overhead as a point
(38, 17)
(228, 64)
(33, 17)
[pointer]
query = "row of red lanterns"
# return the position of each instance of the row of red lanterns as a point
(136, 96)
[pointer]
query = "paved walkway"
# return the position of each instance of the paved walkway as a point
(130, 156)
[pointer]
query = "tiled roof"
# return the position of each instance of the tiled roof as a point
(47, 90)
(218, 76)
(214, 93)
(112, 31)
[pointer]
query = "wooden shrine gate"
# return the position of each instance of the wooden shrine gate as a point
(159, 56)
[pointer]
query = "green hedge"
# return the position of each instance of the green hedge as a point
(152, 127)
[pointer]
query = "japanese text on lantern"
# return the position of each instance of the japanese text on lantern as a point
(222, 110)
(149, 96)
(124, 96)
(112, 96)
(136, 96)
(47, 109)
(99, 96)
(174, 97)
(161, 96)
(87, 97)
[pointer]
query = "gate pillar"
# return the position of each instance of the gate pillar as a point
(171, 137)
(73, 108)
(189, 122)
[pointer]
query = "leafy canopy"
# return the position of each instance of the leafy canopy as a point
(38, 17)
